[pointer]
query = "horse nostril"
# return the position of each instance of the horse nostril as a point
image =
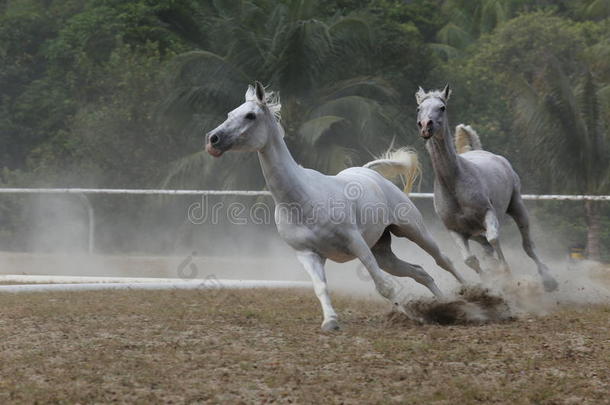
(429, 124)
(419, 124)
(214, 139)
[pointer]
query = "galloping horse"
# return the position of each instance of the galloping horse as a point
(472, 187)
(343, 217)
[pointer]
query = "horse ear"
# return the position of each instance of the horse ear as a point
(446, 92)
(419, 95)
(260, 92)
(250, 93)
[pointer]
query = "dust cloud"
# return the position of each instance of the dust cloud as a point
(56, 244)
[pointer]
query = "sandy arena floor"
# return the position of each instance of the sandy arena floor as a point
(265, 346)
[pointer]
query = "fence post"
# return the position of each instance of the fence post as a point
(91, 217)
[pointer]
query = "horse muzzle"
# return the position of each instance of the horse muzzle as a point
(426, 133)
(214, 144)
(213, 151)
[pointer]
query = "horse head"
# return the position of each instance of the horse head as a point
(432, 111)
(247, 127)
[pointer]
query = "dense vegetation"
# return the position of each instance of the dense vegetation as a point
(112, 93)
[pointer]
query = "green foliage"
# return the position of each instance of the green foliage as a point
(540, 61)
(337, 103)
(119, 93)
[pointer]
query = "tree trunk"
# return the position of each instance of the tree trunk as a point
(594, 228)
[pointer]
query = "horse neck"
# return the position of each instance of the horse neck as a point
(284, 177)
(445, 161)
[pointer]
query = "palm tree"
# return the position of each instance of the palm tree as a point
(562, 120)
(333, 108)
(467, 20)
(594, 9)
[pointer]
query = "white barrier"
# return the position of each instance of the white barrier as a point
(37, 279)
(158, 284)
(252, 193)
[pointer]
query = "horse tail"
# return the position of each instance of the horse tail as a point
(466, 139)
(402, 163)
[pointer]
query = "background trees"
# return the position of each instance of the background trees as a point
(338, 103)
(119, 94)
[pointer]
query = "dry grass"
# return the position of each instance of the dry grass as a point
(265, 346)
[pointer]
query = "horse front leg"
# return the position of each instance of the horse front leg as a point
(488, 250)
(314, 265)
(469, 258)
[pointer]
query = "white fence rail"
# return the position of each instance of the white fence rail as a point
(83, 192)
(127, 191)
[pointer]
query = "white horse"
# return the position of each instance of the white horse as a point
(343, 217)
(473, 188)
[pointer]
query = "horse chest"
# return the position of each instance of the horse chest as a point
(460, 218)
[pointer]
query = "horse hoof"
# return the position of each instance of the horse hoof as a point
(550, 284)
(474, 264)
(330, 326)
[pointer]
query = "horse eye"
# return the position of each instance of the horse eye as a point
(250, 116)
(443, 108)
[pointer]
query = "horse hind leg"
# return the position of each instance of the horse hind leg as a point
(519, 214)
(385, 285)
(492, 234)
(388, 262)
(420, 236)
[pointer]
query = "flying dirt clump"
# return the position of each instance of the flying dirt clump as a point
(473, 305)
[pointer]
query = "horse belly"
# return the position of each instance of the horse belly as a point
(325, 241)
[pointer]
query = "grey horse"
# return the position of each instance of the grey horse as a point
(473, 188)
(343, 217)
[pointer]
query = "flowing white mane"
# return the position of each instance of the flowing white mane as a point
(271, 101)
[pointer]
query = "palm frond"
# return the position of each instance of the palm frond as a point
(455, 36)
(199, 170)
(313, 131)
(201, 79)
(375, 88)
(445, 51)
(596, 9)
(350, 34)
(492, 13)
(562, 127)
(305, 49)
(331, 158)
(366, 117)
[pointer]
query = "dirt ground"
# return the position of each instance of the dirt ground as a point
(265, 346)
